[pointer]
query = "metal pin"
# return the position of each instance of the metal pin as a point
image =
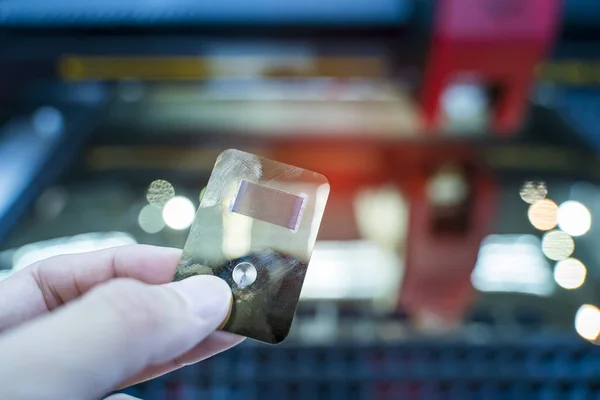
(244, 274)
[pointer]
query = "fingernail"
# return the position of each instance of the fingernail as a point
(207, 296)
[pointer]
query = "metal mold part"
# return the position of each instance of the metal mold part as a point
(255, 228)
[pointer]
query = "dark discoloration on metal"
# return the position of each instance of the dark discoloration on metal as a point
(265, 309)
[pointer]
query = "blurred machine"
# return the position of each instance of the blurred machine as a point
(386, 91)
(451, 103)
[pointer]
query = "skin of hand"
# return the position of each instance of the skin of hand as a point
(79, 326)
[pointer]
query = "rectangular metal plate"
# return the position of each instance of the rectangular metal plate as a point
(255, 228)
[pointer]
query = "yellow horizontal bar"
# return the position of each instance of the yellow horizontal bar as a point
(104, 158)
(75, 68)
(571, 72)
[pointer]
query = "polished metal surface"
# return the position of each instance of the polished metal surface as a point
(255, 228)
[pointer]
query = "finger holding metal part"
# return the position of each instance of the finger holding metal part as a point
(255, 228)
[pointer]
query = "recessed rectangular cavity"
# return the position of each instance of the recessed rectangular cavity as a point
(269, 205)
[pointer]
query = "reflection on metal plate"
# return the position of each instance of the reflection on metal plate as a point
(269, 205)
(285, 205)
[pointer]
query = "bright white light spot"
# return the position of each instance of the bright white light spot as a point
(150, 219)
(587, 322)
(512, 263)
(179, 213)
(340, 270)
(574, 218)
(464, 102)
(557, 245)
(570, 273)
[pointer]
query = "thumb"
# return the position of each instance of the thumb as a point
(114, 332)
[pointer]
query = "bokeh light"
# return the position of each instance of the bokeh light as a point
(381, 216)
(150, 219)
(533, 191)
(447, 187)
(574, 218)
(557, 245)
(543, 214)
(160, 192)
(587, 322)
(48, 121)
(463, 102)
(52, 202)
(570, 273)
(179, 213)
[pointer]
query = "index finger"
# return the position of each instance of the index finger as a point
(50, 283)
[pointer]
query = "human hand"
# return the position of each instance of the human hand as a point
(78, 326)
